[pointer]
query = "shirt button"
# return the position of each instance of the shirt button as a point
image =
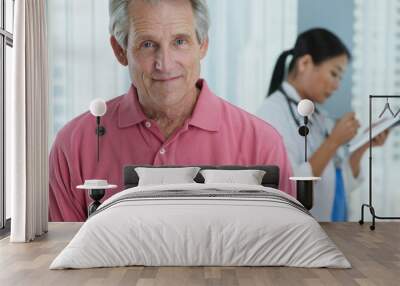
(162, 151)
(148, 124)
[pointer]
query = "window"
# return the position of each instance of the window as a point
(81, 62)
(376, 71)
(6, 44)
(242, 53)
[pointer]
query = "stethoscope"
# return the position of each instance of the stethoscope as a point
(290, 102)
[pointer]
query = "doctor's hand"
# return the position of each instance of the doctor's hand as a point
(378, 140)
(345, 129)
(356, 156)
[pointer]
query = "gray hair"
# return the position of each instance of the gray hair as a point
(119, 22)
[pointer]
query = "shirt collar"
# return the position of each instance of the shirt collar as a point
(291, 91)
(206, 114)
(130, 111)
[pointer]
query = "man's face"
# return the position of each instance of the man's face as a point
(163, 52)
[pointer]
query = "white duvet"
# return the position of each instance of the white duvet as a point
(202, 231)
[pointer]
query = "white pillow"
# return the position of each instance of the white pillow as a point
(162, 176)
(248, 177)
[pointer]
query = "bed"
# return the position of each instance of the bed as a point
(201, 224)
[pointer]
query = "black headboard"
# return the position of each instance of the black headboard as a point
(270, 179)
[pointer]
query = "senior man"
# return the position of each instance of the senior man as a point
(169, 116)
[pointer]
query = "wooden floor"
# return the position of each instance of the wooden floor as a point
(374, 255)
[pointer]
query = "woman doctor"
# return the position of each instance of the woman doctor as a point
(318, 61)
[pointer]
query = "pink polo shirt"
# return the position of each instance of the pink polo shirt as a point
(218, 133)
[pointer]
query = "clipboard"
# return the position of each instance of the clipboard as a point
(378, 127)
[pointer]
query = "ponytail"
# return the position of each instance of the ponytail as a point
(279, 72)
(319, 43)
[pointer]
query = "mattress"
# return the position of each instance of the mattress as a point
(201, 225)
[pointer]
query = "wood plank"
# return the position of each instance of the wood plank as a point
(374, 255)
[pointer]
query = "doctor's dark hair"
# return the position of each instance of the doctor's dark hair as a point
(319, 43)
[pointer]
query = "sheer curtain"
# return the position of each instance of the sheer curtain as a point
(376, 71)
(82, 64)
(245, 40)
(27, 168)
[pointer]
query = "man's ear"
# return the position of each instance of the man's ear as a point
(304, 62)
(204, 48)
(119, 52)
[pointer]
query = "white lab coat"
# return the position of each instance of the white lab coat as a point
(275, 111)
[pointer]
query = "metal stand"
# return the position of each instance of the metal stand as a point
(370, 205)
(305, 185)
(96, 189)
(305, 193)
(100, 131)
(96, 195)
(304, 190)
